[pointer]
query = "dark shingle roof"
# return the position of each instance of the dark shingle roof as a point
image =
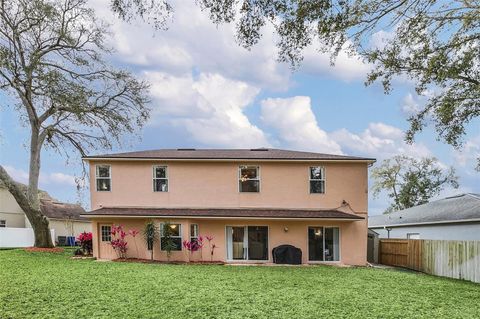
(462, 207)
(228, 154)
(56, 210)
(223, 212)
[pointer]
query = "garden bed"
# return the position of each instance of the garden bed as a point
(149, 261)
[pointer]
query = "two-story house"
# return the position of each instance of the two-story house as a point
(249, 200)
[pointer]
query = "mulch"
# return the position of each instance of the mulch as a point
(44, 250)
(149, 261)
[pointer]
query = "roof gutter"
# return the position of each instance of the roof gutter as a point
(474, 220)
(150, 159)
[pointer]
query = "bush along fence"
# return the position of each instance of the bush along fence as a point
(447, 258)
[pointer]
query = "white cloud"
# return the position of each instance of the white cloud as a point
(381, 38)
(16, 174)
(410, 105)
(348, 66)
(379, 140)
(209, 107)
(468, 154)
(21, 176)
(193, 42)
(296, 124)
(60, 178)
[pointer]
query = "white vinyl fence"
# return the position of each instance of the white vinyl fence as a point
(18, 237)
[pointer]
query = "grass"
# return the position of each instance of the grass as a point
(47, 285)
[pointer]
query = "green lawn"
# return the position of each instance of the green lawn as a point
(40, 285)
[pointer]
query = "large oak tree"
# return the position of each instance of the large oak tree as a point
(410, 182)
(51, 65)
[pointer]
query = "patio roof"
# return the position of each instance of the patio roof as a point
(223, 213)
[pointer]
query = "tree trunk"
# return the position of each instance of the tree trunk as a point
(28, 199)
(38, 221)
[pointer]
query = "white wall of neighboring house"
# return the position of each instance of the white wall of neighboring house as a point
(459, 231)
(65, 227)
(15, 219)
(10, 212)
(18, 237)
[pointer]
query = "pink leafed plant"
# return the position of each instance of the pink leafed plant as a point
(86, 242)
(211, 245)
(133, 232)
(118, 242)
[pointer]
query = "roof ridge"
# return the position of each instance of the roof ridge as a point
(474, 195)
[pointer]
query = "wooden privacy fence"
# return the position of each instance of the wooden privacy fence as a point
(449, 258)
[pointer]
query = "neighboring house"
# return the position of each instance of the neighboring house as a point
(451, 218)
(63, 218)
(251, 201)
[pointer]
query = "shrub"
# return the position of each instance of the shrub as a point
(118, 242)
(150, 234)
(86, 242)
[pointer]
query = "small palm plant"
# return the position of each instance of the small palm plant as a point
(150, 234)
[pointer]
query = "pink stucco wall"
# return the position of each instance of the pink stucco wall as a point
(353, 238)
(215, 184)
(209, 184)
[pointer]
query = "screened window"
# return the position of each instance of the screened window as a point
(3, 223)
(103, 178)
(160, 179)
(106, 232)
(317, 180)
(176, 236)
(249, 179)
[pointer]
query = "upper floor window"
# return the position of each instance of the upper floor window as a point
(3, 223)
(317, 180)
(249, 179)
(160, 179)
(103, 178)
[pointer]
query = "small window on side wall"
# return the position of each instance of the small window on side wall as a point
(160, 179)
(249, 179)
(103, 178)
(317, 180)
(3, 223)
(106, 233)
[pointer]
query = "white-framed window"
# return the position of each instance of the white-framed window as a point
(3, 223)
(249, 179)
(317, 180)
(160, 179)
(106, 233)
(193, 232)
(176, 230)
(103, 178)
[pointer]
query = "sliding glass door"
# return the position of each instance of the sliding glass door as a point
(247, 242)
(323, 243)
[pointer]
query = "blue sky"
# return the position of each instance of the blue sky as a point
(208, 92)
